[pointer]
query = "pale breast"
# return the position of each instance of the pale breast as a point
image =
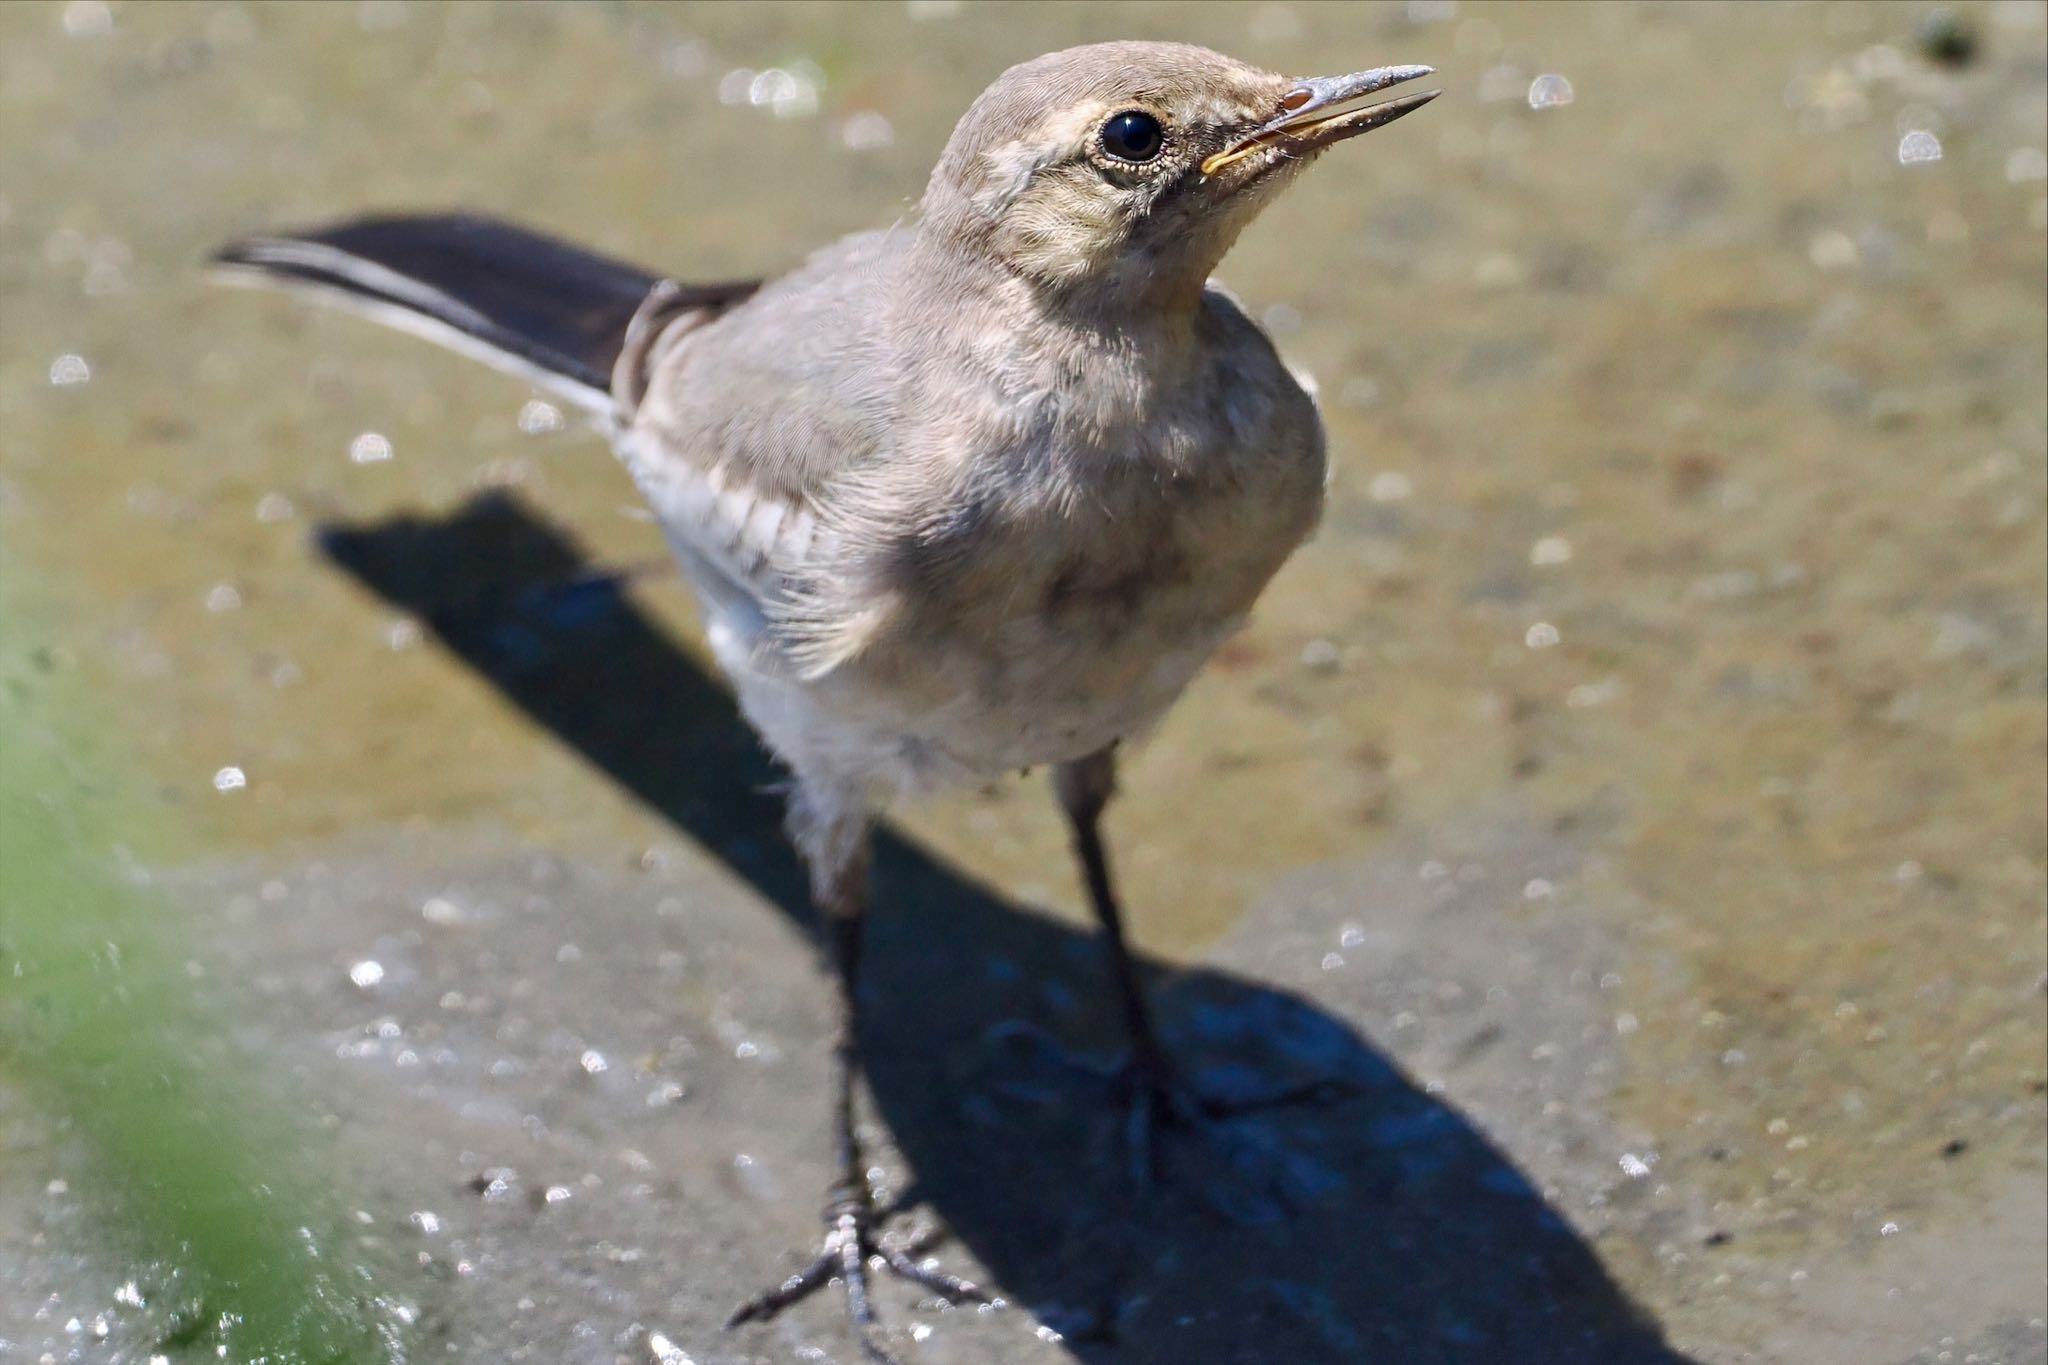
(1028, 633)
(1037, 564)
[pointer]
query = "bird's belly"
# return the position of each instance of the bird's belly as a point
(924, 716)
(1036, 688)
(1038, 639)
(1069, 699)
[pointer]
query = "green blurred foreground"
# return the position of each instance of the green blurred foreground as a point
(98, 1021)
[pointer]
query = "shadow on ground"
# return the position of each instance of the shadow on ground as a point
(1411, 1237)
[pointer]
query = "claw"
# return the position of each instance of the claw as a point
(1155, 1100)
(849, 1252)
(769, 1302)
(951, 1288)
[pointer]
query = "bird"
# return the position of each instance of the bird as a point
(976, 493)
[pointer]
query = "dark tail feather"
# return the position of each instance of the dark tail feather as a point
(521, 301)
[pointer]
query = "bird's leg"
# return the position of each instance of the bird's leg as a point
(838, 863)
(1153, 1090)
(1084, 789)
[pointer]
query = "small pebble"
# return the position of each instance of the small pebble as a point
(1946, 38)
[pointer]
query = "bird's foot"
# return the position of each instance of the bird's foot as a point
(1242, 1171)
(1158, 1102)
(851, 1252)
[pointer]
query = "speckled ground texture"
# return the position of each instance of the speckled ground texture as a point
(1635, 794)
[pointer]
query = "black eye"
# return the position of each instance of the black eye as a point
(1132, 136)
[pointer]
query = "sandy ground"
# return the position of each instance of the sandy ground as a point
(1633, 797)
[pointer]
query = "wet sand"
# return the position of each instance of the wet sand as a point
(1635, 791)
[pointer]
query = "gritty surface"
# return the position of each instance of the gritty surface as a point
(1634, 792)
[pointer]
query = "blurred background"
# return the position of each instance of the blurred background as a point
(1637, 787)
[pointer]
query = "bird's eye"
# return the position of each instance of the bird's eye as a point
(1133, 136)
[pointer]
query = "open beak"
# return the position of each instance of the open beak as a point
(1314, 114)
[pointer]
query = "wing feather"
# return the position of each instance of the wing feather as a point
(743, 431)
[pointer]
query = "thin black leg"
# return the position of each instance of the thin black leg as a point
(1149, 1089)
(850, 1243)
(1152, 1090)
(1084, 789)
(844, 934)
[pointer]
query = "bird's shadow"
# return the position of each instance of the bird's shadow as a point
(1411, 1237)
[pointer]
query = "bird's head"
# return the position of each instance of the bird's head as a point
(1128, 169)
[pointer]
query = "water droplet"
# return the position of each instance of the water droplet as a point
(223, 597)
(68, 369)
(1542, 635)
(1549, 90)
(1888, 1230)
(787, 93)
(754, 1178)
(1636, 1167)
(557, 1194)
(538, 418)
(426, 1221)
(230, 779)
(1389, 486)
(369, 448)
(866, 130)
(1917, 146)
(366, 973)
(666, 1352)
(1551, 550)
(274, 507)
(88, 19)
(593, 1063)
